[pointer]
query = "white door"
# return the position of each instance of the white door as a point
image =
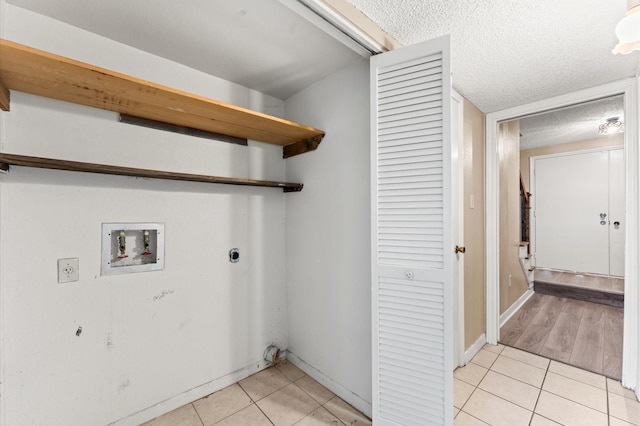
(617, 208)
(572, 212)
(411, 236)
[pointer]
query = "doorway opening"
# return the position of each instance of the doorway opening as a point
(568, 234)
(495, 318)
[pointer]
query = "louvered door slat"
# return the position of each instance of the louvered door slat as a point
(408, 109)
(415, 98)
(411, 236)
(408, 113)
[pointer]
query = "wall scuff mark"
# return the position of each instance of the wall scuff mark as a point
(163, 294)
(125, 384)
(109, 341)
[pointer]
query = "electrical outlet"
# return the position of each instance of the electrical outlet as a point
(68, 270)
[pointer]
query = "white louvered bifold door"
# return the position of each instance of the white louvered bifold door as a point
(411, 236)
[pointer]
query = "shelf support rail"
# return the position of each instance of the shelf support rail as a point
(75, 166)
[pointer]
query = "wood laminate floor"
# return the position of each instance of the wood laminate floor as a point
(583, 334)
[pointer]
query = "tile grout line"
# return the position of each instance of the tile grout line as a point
(510, 402)
(480, 420)
(521, 381)
(518, 380)
(530, 353)
(512, 378)
(579, 403)
(547, 371)
(332, 413)
(264, 414)
(197, 414)
(255, 402)
(577, 380)
(320, 405)
(571, 400)
(310, 396)
(475, 387)
(606, 386)
(235, 412)
(271, 393)
(535, 406)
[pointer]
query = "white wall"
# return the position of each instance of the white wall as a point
(328, 238)
(163, 337)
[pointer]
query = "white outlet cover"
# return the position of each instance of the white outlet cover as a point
(68, 270)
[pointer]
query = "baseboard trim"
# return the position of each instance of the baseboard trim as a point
(475, 348)
(514, 308)
(191, 395)
(355, 400)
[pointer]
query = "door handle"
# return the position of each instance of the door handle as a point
(616, 224)
(460, 249)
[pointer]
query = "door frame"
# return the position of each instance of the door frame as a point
(532, 184)
(628, 88)
(457, 227)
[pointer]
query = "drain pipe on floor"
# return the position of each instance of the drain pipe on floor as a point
(272, 354)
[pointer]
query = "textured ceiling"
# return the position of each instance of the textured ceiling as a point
(504, 52)
(574, 123)
(261, 44)
(511, 52)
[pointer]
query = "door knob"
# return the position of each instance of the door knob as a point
(616, 224)
(460, 249)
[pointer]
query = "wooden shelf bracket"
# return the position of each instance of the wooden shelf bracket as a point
(75, 166)
(301, 147)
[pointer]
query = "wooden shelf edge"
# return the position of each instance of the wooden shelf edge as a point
(33, 71)
(4, 96)
(76, 166)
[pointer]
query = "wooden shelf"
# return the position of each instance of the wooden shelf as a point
(40, 73)
(74, 166)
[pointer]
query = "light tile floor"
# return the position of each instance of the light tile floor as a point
(500, 386)
(279, 396)
(506, 386)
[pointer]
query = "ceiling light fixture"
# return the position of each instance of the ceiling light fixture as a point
(613, 125)
(628, 29)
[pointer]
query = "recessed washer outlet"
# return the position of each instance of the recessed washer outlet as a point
(132, 247)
